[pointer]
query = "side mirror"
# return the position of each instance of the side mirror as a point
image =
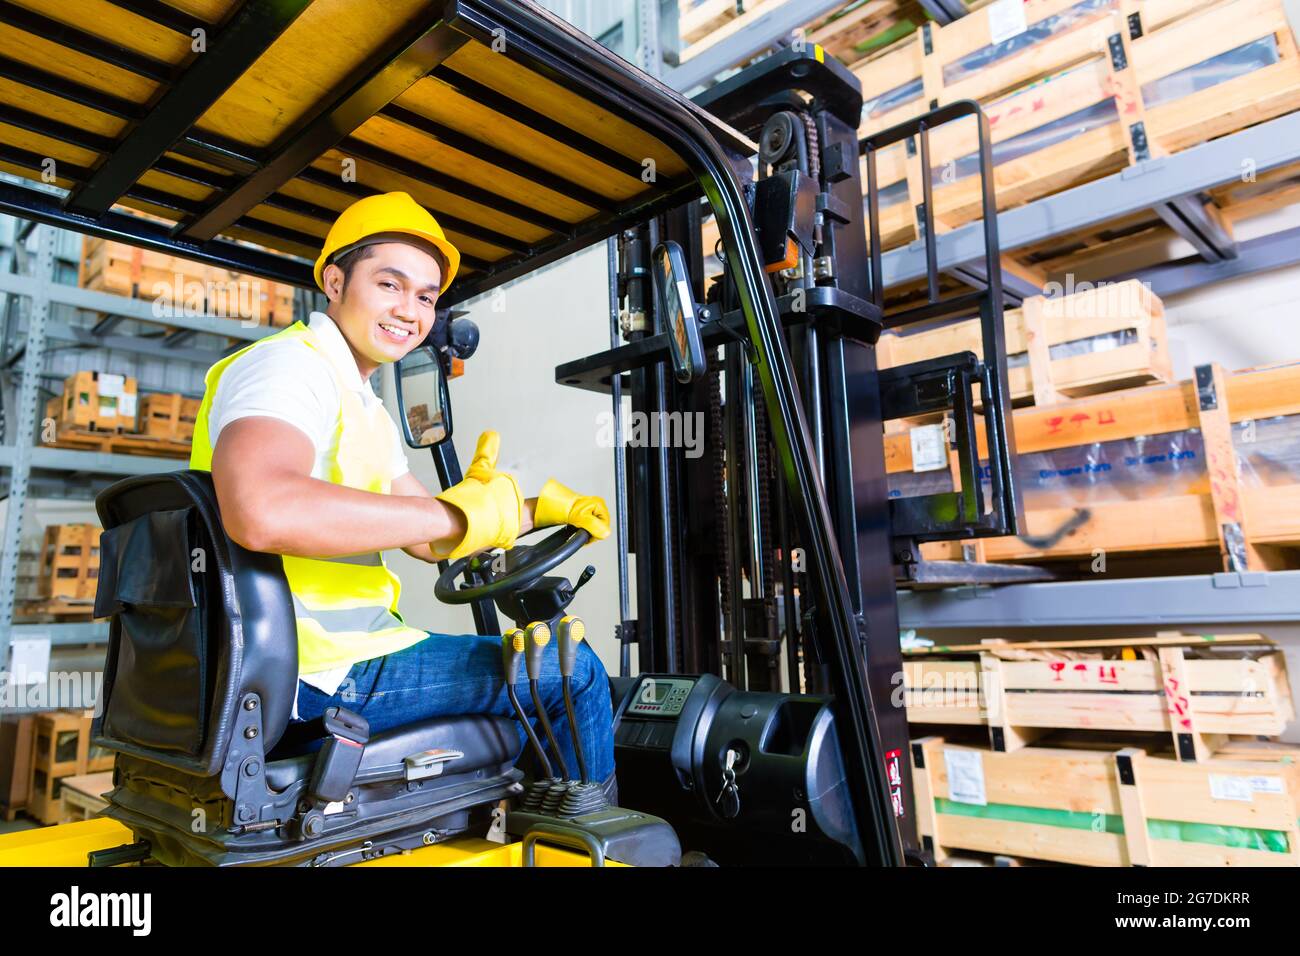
(423, 399)
(673, 284)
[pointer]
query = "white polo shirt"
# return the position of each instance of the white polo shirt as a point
(294, 384)
(284, 380)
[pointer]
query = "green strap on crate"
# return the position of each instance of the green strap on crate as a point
(899, 30)
(1247, 838)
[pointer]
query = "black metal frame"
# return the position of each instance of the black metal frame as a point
(392, 69)
(237, 45)
(947, 383)
(164, 14)
(570, 59)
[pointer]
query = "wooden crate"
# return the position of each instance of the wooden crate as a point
(120, 443)
(704, 24)
(17, 738)
(69, 565)
(1140, 685)
(97, 401)
(250, 298)
(109, 266)
(698, 18)
(859, 29)
(62, 750)
(1250, 526)
(169, 415)
(850, 32)
(1059, 78)
(1110, 805)
(83, 795)
(1126, 318)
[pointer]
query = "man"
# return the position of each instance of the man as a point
(308, 464)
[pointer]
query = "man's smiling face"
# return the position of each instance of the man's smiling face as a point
(385, 308)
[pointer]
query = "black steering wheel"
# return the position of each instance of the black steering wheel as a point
(524, 564)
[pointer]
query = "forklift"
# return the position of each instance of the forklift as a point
(764, 724)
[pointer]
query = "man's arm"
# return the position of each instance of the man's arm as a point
(409, 486)
(269, 502)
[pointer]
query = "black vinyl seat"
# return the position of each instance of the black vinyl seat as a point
(199, 682)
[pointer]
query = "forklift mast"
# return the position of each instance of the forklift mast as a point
(726, 583)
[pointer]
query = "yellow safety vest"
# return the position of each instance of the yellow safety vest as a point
(346, 607)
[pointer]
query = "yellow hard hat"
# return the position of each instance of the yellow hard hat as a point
(386, 217)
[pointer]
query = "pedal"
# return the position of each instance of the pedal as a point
(612, 833)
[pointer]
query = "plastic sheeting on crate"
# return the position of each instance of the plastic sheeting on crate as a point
(893, 99)
(1104, 342)
(1218, 69)
(1268, 451)
(1036, 33)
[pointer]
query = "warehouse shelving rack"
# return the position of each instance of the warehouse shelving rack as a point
(1168, 182)
(28, 469)
(1162, 183)
(1253, 597)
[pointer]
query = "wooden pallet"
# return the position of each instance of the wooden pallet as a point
(1020, 692)
(1062, 76)
(1127, 318)
(120, 443)
(1249, 526)
(1110, 805)
(60, 610)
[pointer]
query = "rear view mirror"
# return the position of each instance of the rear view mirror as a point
(673, 283)
(422, 399)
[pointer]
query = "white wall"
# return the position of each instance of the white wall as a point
(1240, 323)
(547, 430)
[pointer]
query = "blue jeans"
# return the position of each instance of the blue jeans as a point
(453, 674)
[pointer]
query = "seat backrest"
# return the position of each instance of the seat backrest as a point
(197, 625)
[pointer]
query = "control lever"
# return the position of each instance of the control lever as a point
(584, 796)
(512, 648)
(568, 636)
(537, 635)
(588, 573)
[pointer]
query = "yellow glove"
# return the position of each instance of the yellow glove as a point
(558, 505)
(489, 499)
